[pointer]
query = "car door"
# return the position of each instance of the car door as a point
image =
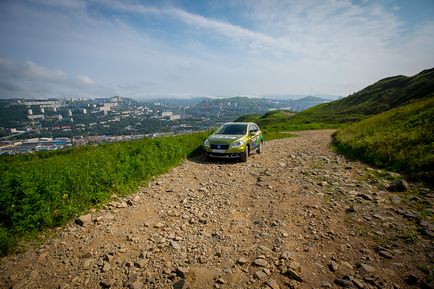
(253, 136)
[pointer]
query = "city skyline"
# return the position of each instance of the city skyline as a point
(142, 49)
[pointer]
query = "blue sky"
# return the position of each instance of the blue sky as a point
(143, 49)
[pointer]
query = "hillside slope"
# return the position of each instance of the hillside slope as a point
(381, 96)
(401, 138)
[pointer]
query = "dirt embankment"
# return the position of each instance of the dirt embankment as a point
(295, 216)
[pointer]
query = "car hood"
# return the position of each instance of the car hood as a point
(224, 138)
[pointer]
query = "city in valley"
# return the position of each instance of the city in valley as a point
(29, 125)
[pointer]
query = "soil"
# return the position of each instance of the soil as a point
(295, 216)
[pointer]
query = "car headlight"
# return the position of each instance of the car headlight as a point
(206, 143)
(236, 144)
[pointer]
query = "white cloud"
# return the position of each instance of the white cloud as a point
(86, 80)
(41, 73)
(66, 4)
(287, 47)
(28, 79)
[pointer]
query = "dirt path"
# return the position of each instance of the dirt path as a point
(296, 216)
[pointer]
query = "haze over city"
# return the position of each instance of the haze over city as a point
(143, 49)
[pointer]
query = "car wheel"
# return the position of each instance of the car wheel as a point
(259, 147)
(245, 155)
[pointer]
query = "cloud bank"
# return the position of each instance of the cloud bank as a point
(101, 48)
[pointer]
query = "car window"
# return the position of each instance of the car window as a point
(233, 129)
(253, 128)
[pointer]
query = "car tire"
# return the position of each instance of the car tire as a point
(245, 155)
(259, 150)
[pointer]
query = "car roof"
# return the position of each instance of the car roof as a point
(246, 123)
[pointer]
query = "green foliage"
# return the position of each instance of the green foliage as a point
(400, 139)
(45, 190)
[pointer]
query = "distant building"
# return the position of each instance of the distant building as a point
(105, 109)
(110, 104)
(167, 114)
(116, 99)
(54, 117)
(52, 103)
(35, 116)
(174, 117)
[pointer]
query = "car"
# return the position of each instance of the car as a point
(234, 140)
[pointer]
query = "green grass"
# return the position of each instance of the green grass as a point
(47, 189)
(269, 135)
(399, 139)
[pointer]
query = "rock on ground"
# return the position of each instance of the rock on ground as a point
(295, 216)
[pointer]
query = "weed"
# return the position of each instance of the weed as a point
(409, 237)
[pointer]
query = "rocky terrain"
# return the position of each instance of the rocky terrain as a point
(295, 216)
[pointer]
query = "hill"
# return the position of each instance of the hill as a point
(253, 117)
(386, 94)
(389, 123)
(381, 96)
(400, 139)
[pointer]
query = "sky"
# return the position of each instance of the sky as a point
(167, 48)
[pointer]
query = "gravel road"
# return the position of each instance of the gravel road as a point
(295, 216)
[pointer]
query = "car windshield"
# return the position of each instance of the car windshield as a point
(233, 129)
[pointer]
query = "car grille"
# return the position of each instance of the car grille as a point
(220, 147)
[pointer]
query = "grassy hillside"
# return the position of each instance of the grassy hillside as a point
(271, 117)
(381, 96)
(401, 138)
(389, 123)
(47, 189)
(248, 118)
(384, 95)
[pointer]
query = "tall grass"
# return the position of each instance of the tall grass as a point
(47, 189)
(400, 139)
